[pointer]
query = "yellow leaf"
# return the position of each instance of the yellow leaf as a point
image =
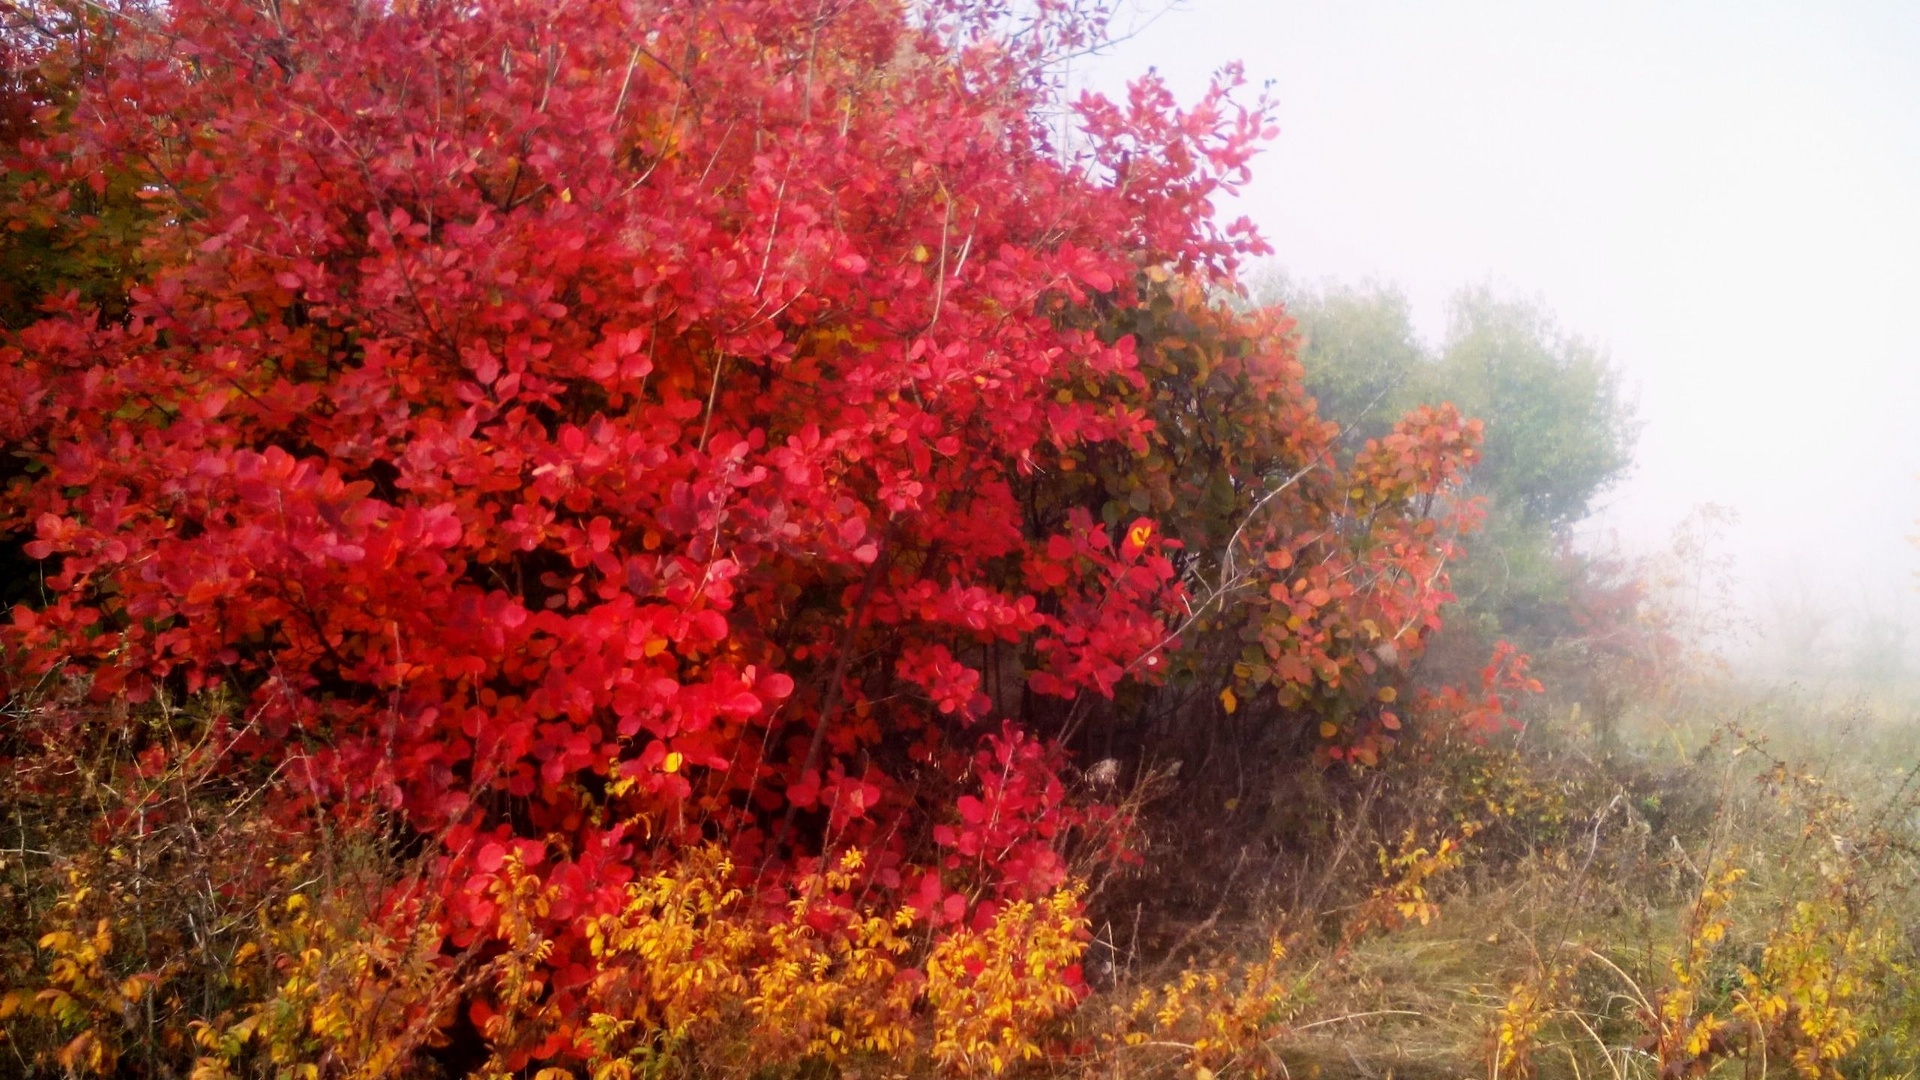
(1328, 729)
(1387, 694)
(672, 762)
(1228, 701)
(84, 1052)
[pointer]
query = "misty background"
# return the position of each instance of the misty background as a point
(1720, 197)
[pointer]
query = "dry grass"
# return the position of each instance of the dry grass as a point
(1579, 908)
(1612, 902)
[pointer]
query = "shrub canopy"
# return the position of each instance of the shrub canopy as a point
(589, 431)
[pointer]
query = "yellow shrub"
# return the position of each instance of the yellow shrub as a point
(993, 991)
(86, 1002)
(1216, 1016)
(688, 968)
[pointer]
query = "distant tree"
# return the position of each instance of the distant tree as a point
(1559, 430)
(1359, 348)
(1881, 644)
(1800, 626)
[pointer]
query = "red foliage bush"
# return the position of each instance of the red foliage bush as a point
(593, 429)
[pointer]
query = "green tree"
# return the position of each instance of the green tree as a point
(1559, 431)
(1360, 351)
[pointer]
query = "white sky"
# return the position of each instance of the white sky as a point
(1726, 195)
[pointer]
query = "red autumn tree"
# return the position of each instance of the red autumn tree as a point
(588, 430)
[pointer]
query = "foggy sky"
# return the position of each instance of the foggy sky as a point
(1727, 196)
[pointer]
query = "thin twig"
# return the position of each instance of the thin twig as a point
(1359, 1016)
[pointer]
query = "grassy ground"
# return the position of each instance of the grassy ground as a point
(1724, 878)
(1724, 883)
